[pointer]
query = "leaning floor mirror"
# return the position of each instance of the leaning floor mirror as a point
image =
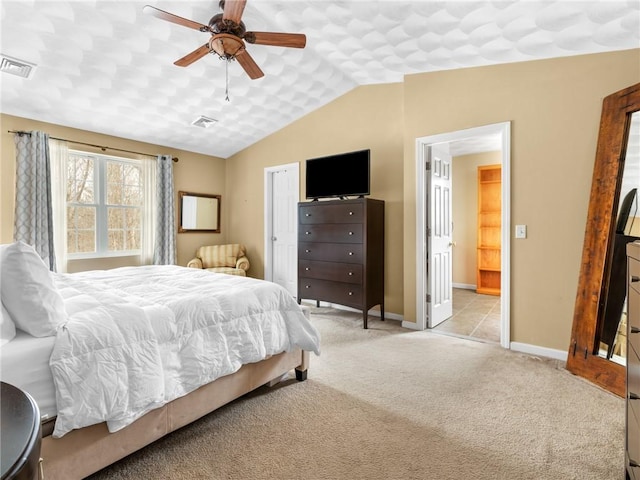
(596, 350)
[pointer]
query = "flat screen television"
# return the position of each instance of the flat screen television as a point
(341, 175)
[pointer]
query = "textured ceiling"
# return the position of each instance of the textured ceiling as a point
(105, 66)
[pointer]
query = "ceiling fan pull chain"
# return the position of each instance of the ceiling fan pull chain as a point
(227, 75)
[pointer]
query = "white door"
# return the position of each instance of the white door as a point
(439, 236)
(281, 222)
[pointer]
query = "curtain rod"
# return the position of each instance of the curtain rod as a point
(103, 148)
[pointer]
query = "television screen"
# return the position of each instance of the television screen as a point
(345, 174)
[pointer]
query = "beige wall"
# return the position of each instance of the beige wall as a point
(554, 106)
(367, 117)
(193, 173)
(465, 213)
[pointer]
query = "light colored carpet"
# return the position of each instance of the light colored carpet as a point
(388, 403)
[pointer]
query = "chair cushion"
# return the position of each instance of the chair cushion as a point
(220, 255)
(228, 271)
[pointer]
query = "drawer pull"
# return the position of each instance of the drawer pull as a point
(350, 254)
(350, 213)
(307, 286)
(306, 269)
(633, 396)
(635, 278)
(350, 294)
(307, 214)
(351, 274)
(307, 251)
(307, 233)
(350, 233)
(635, 330)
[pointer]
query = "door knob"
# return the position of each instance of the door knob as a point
(273, 239)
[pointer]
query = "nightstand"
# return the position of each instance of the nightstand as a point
(20, 434)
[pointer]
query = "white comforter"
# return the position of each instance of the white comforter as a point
(139, 337)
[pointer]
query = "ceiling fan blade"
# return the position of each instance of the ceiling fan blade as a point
(233, 10)
(295, 40)
(250, 66)
(170, 17)
(197, 54)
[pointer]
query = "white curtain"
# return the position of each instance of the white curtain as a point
(149, 211)
(59, 153)
(165, 244)
(33, 215)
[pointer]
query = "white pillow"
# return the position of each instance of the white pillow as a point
(28, 292)
(7, 327)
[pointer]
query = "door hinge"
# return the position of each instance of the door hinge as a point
(428, 298)
(428, 166)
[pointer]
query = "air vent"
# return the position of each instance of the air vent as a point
(204, 122)
(15, 66)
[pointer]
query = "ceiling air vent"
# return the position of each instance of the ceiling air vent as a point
(204, 122)
(15, 66)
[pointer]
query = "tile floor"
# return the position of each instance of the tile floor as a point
(474, 315)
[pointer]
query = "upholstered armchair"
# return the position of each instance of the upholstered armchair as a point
(230, 259)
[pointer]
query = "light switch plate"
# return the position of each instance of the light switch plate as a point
(521, 231)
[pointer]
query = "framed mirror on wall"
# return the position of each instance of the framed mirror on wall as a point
(198, 212)
(600, 307)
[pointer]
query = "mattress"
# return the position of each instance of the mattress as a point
(24, 362)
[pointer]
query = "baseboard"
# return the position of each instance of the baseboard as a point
(373, 313)
(539, 351)
(465, 286)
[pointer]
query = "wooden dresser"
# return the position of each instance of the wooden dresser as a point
(632, 450)
(341, 253)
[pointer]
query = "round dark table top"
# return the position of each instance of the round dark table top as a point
(19, 429)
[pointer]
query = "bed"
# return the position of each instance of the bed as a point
(139, 352)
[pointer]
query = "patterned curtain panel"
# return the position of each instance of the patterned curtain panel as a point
(165, 244)
(33, 217)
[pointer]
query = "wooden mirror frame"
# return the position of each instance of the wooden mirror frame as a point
(583, 358)
(181, 196)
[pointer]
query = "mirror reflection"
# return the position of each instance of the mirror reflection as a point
(612, 314)
(199, 212)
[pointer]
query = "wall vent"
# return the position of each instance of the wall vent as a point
(15, 66)
(204, 122)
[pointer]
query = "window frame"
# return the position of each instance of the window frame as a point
(100, 179)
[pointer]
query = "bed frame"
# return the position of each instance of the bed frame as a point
(82, 452)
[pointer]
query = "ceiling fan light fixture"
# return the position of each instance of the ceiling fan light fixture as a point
(16, 67)
(204, 122)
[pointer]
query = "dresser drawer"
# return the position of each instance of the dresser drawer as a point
(345, 213)
(335, 233)
(633, 439)
(633, 319)
(331, 252)
(335, 292)
(340, 272)
(633, 267)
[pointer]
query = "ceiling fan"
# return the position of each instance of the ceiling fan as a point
(228, 36)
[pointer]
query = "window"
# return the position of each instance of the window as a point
(104, 205)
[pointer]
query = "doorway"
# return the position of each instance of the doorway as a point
(499, 133)
(282, 194)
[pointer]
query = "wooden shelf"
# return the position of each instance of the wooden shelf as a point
(489, 229)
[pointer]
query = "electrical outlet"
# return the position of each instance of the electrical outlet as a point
(521, 231)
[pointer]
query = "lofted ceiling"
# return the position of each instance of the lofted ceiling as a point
(105, 66)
